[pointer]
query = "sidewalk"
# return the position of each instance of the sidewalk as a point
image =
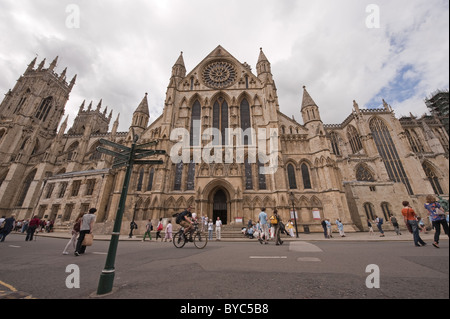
(358, 237)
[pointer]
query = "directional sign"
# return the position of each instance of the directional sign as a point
(146, 144)
(147, 162)
(124, 156)
(149, 153)
(109, 143)
(120, 164)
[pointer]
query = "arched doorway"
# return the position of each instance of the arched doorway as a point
(220, 206)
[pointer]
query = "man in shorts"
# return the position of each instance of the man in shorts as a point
(186, 220)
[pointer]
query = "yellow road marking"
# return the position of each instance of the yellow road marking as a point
(4, 284)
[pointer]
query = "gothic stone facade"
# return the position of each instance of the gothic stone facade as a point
(363, 167)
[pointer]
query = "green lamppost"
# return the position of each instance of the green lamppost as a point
(126, 156)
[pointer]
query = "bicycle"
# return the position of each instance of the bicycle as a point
(200, 240)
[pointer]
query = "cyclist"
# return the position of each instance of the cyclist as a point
(185, 220)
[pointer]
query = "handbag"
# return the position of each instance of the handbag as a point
(88, 240)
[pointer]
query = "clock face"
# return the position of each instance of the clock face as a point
(219, 74)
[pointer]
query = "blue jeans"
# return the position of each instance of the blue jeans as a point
(415, 229)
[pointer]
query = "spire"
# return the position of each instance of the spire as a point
(262, 56)
(31, 65)
(263, 68)
(99, 105)
(72, 83)
(82, 106)
(310, 110)
(179, 69)
(307, 99)
(143, 106)
(53, 64)
(115, 126)
(41, 65)
(63, 74)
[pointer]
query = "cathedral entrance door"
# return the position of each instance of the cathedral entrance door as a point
(220, 207)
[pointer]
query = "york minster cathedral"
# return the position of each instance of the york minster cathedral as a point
(355, 170)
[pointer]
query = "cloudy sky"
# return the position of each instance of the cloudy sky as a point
(341, 50)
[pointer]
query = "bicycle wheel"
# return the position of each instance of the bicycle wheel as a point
(178, 240)
(200, 240)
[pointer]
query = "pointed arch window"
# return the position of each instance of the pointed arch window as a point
(387, 150)
(248, 175)
(261, 177)
(25, 187)
(44, 108)
(386, 208)
(140, 180)
(191, 176)
(414, 141)
(354, 139)
(433, 179)
(306, 176)
(220, 118)
(291, 177)
(370, 211)
(363, 174)
(150, 179)
(178, 176)
(195, 120)
(245, 121)
(335, 143)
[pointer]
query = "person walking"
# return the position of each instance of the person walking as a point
(169, 229)
(438, 219)
(75, 232)
(159, 228)
(329, 230)
(210, 229)
(148, 230)
(394, 222)
(277, 228)
(340, 227)
(379, 221)
(87, 223)
(32, 226)
(264, 234)
(410, 217)
(369, 224)
(324, 227)
(218, 229)
(8, 226)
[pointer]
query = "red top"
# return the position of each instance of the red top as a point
(409, 213)
(34, 222)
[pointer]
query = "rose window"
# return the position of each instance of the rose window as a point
(219, 75)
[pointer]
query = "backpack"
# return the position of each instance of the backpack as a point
(180, 217)
(380, 220)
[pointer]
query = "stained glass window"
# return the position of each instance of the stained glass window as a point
(245, 121)
(354, 139)
(291, 177)
(388, 152)
(195, 131)
(433, 179)
(306, 177)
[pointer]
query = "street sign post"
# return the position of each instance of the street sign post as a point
(125, 157)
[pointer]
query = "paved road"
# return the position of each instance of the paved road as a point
(227, 270)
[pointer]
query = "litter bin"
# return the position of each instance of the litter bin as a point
(306, 229)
